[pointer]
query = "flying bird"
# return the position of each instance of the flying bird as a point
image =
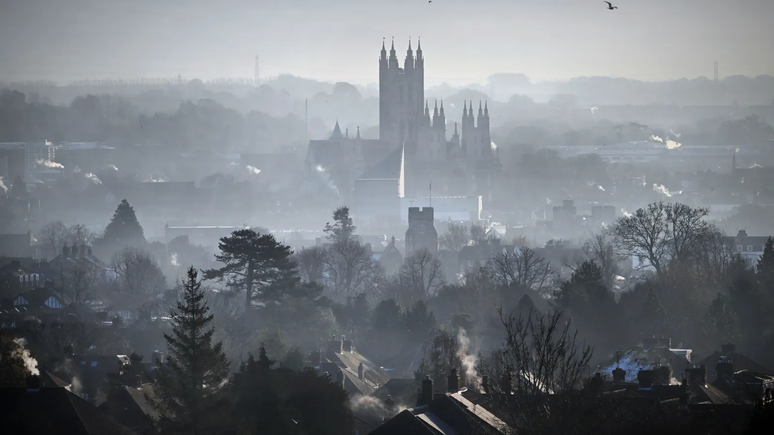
(294, 421)
(610, 6)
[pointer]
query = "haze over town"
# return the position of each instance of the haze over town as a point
(431, 217)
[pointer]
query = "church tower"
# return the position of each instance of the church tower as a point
(401, 94)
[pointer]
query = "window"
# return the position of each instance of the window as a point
(94, 364)
(749, 248)
(470, 263)
(421, 228)
(53, 302)
(20, 301)
(739, 248)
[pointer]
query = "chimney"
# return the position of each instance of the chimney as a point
(426, 393)
(646, 378)
(663, 373)
(485, 383)
(389, 402)
(34, 384)
(697, 375)
(75, 251)
(360, 371)
(453, 381)
(684, 392)
(741, 233)
(619, 375)
(727, 349)
(65, 251)
(725, 366)
(347, 345)
(340, 379)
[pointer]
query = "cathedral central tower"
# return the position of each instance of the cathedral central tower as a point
(401, 96)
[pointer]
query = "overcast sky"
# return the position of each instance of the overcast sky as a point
(463, 40)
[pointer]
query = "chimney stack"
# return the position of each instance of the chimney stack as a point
(65, 251)
(507, 381)
(426, 393)
(663, 373)
(347, 345)
(646, 378)
(619, 375)
(360, 371)
(697, 375)
(454, 381)
(684, 392)
(389, 402)
(34, 384)
(485, 384)
(335, 346)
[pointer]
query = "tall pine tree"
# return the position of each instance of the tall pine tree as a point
(123, 229)
(190, 381)
(765, 267)
(259, 265)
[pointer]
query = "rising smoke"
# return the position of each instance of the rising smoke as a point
(50, 164)
(468, 359)
(253, 170)
(370, 405)
(2, 186)
(29, 362)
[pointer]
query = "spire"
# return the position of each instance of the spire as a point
(392, 49)
(337, 131)
(442, 113)
(480, 111)
(384, 51)
(409, 49)
(419, 49)
(427, 110)
(358, 132)
(435, 110)
(346, 133)
(455, 129)
(486, 109)
(393, 57)
(409, 63)
(464, 109)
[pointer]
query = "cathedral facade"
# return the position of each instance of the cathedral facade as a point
(418, 153)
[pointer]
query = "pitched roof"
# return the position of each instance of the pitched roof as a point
(54, 411)
(130, 407)
(740, 361)
(389, 167)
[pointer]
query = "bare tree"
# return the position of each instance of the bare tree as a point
(660, 233)
(478, 234)
(349, 268)
(79, 280)
(541, 357)
(602, 251)
(54, 236)
(311, 264)
(422, 276)
(524, 269)
(138, 278)
(80, 235)
(455, 238)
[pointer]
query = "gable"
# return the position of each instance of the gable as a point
(20, 301)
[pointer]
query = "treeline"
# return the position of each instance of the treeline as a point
(193, 125)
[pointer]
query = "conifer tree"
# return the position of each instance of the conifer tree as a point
(124, 229)
(765, 265)
(190, 381)
(259, 265)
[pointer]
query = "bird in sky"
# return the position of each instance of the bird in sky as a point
(294, 421)
(610, 6)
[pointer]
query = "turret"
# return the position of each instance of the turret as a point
(427, 115)
(383, 57)
(435, 114)
(442, 118)
(409, 63)
(456, 136)
(393, 56)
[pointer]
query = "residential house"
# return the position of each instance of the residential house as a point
(132, 408)
(749, 247)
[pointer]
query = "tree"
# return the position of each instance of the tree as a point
(311, 264)
(541, 356)
(421, 275)
(196, 369)
(661, 233)
(257, 264)
(455, 238)
(387, 315)
(524, 269)
(349, 267)
(138, 278)
(419, 320)
(15, 362)
(765, 265)
(124, 229)
(54, 236)
(342, 229)
(723, 323)
(602, 251)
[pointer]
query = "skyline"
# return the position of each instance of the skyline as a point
(463, 42)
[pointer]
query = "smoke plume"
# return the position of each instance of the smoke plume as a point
(2, 186)
(29, 362)
(468, 359)
(370, 405)
(324, 173)
(253, 170)
(93, 178)
(50, 164)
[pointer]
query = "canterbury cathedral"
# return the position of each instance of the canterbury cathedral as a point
(418, 152)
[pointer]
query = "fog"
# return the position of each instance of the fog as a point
(525, 200)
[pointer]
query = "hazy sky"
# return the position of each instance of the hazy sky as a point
(463, 40)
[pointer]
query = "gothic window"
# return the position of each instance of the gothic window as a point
(53, 302)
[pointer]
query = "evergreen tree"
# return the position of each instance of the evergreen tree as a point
(342, 229)
(14, 362)
(260, 266)
(123, 229)
(765, 267)
(196, 370)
